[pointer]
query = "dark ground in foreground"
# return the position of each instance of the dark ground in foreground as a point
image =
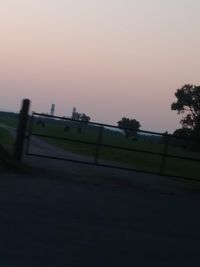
(55, 221)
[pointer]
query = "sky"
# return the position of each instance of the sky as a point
(108, 58)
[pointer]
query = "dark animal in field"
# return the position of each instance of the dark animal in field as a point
(79, 130)
(182, 138)
(67, 128)
(134, 139)
(41, 123)
(131, 135)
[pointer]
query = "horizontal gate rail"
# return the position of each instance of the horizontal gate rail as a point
(115, 147)
(112, 166)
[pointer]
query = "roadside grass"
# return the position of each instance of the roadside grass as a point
(6, 150)
(9, 118)
(184, 168)
(6, 139)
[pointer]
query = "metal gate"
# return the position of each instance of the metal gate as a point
(107, 146)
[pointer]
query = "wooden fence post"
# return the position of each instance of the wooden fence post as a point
(21, 130)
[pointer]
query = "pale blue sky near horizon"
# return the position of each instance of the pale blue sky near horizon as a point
(109, 58)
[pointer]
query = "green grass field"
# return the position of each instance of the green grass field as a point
(9, 118)
(129, 159)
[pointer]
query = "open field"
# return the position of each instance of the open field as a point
(129, 159)
(9, 118)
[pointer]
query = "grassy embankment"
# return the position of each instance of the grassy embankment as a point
(130, 159)
(6, 139)
(6, 147)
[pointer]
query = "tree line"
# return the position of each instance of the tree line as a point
(187, 104)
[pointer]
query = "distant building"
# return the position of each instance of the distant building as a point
(75, 114)
(52, 109)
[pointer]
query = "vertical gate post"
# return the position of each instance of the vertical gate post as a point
(99, 139)
(164, 156)
(21, 130)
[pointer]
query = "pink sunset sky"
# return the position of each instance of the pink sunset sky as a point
(108, 58)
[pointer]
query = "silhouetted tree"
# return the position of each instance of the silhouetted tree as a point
(85, 118)
(80, 117)
(188, 102)
(182, 132)
(132, 126)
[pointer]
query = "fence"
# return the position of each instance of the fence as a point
(106, 145)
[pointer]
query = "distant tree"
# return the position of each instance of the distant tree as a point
(80, 117)
(131, 127)
(76, 116)
(85, 118)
